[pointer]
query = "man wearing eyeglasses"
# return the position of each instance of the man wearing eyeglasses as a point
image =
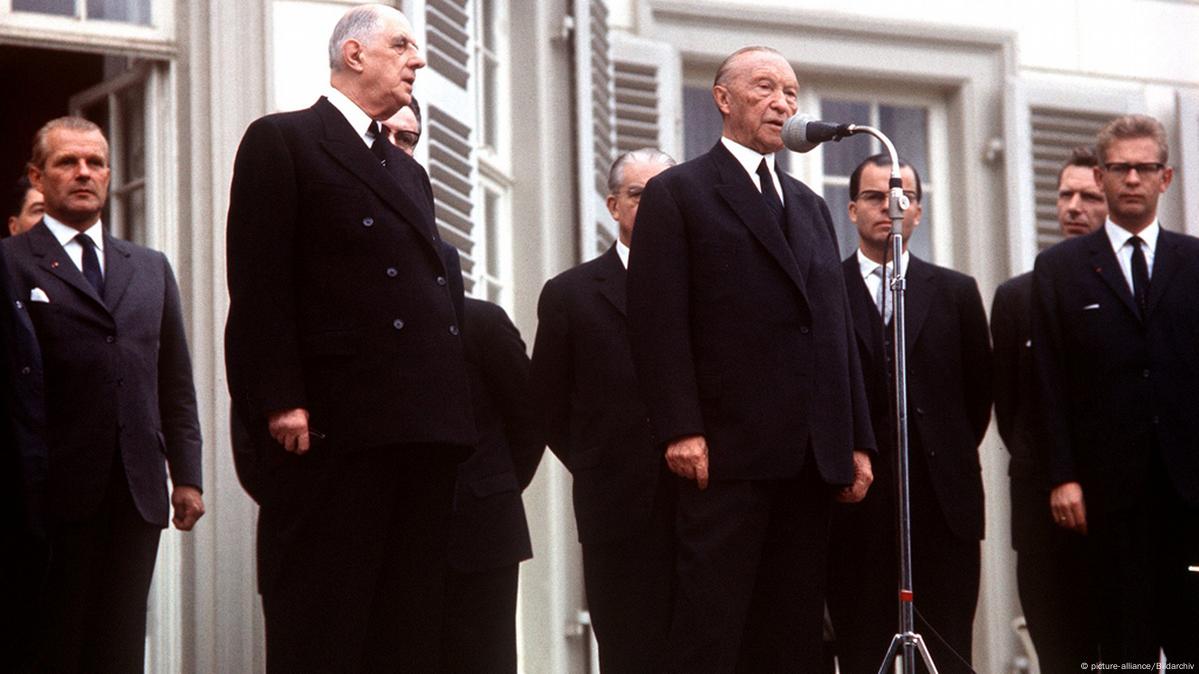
(949, 408)
(404, 128)
(1116, 336)
(1051, 561)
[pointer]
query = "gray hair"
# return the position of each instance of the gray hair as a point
(646, 155)
(1133, 126)
(359, 24)
(41, 149)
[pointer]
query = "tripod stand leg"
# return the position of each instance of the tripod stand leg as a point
(925, 655)
(892, 651)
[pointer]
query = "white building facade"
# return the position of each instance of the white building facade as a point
(526, 103)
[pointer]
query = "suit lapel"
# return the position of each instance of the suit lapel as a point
(799, 224)
(918, 298)
(118, 271)
(341, 143)
(866, 321)
(739, 192)
(1165, 263)
(611, 279)
(53, 258)
(1104, 263)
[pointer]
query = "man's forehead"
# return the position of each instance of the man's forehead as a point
(759, 63)
(1079, 178)
(1142, 148)
(61, 140)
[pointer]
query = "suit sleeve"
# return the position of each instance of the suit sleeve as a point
(976, 355)
(506, 371)
(863, 426)
(1053, 442)
(1006, 360)
(262, 351)
(659, 315)
(177, 391)
(551, 372)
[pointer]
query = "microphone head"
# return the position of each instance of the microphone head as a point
(795, 133)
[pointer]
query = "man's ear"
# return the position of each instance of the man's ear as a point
(611, 201)
(35, 178)
(351, 55)
(720, 94)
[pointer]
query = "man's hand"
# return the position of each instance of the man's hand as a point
(863, 476)
(1068, 508)
(189, 507)
(688, 458)
(290, 429)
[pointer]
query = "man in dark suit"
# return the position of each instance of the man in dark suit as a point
(596, 424)
(25, 208)
(742, 339)
(1115, 338)
(489, 537)
(342, 328)
(118, 401)
(1051, 562)
(22, 496)
(949, 407)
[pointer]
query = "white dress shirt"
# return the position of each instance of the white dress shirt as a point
(622, 251)
(358, 119)
(66, 236)
(1119, 238)
(874, 282)
(750, 160)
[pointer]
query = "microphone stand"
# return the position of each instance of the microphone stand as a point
(907, 638)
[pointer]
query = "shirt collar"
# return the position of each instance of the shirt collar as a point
(358, 119)
(65, 233)
(747, 157)
(622, 251)
(1118, 236)
(867, 266)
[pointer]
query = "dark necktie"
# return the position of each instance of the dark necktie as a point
(770, 196)
(91, 263)
(379, 144)
(1140, 274)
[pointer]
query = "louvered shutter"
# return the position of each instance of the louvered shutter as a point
(647, 94)
(1188, 160)
(449, 102)
(595, 125)
(1044, 121)
(1055, 134)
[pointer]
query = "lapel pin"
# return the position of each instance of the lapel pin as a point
(1098, 270)
(53, 264)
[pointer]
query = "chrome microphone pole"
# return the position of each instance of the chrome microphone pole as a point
(802, 133)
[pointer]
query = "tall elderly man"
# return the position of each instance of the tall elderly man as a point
(346, 366)
(596, 424)
(120, 406)
(1051, 562)
(742, 338)
(1114, 332)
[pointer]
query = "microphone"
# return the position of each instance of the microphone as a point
(802, 132)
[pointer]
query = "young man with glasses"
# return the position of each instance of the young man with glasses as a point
(1116, 349)
(949, 408)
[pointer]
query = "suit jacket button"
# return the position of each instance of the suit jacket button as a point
(440, 280)
(803, 329)
(392, 272)
(367, 222)
(398, 324)
(20, 305)
(110, 339)
(26, 370)
(454, 330)
(920, 411)
(1145, 373)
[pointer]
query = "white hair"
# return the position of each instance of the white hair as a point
(647, 155)
(360, 24)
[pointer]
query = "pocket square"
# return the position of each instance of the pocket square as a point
(38, 295)
(1090, 307)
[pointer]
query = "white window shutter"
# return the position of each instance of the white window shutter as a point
(648, 95)
(595, 124)
(448, 97)
(1044, 120)
(1187, 163)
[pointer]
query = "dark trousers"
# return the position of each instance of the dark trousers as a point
(480, 622)
(1051, 574)
(97, 586)
(355, 568)
(1147, 599)
(629, 584)
(750, 575)
(864, 577)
